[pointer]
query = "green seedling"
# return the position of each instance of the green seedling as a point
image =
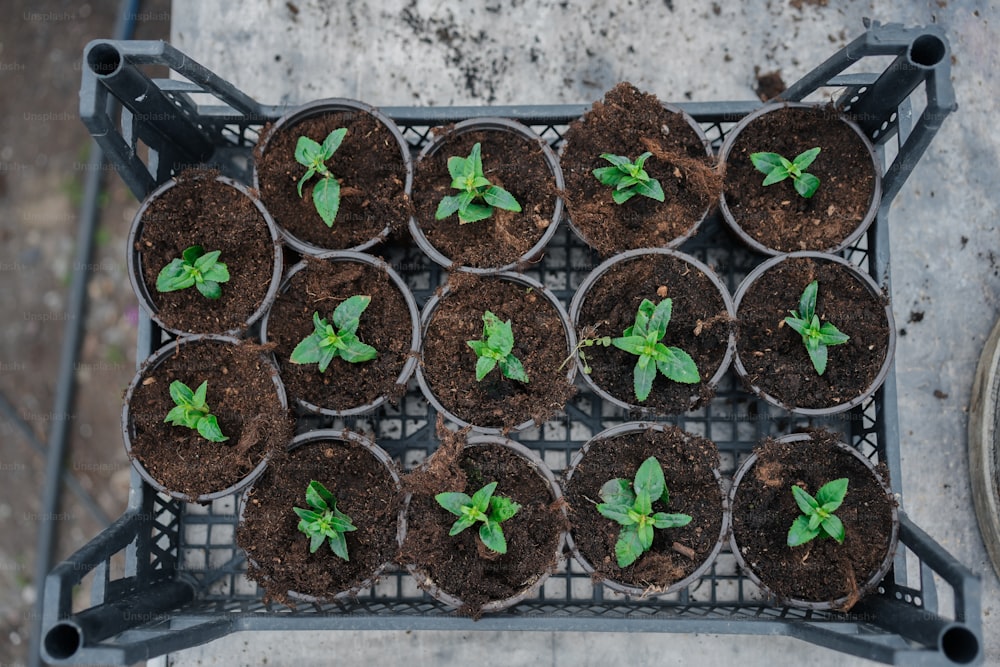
(817, 516)
(195, 267)
(603, 341)
(643, 339)
(816, 337)
(628, 178)
(483, 507)
(313, 156)
(478, 196)
(340, 339)
(191, 410)
(495, 350)
(323, 522)
(630, 504)
(778, 169)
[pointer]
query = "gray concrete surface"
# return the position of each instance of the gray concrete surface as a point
(946, 289)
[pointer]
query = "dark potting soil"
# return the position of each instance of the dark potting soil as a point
(449, 364)
(699, 325)
(688, 462)
(774, 355)
(242, 396)
(201, 211)
(509, 161)
(764, 508)
(455, 564)
(385, 325)
(630, 123)
(776, 215)
(368, 164)
(278, 553)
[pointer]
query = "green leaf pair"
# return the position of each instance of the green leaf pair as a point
(323, 521)
(778, 169)
(815, 336)
(195, 267)
(643, 339)
(495, 350)
(628, 178)
(192, 411)
(327, 342)
(467, 176)
(630, 504)
(313, 156)
(817, 513)
(482, 507)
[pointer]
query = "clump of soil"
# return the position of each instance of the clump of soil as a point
(202, 211)
(699, 324)
(628, 122)
(690, 464)
(773, 354)
(776, 215)
(386, 325)
(241, 394)
(369, 165)
(278, 552)
(511, 161)
(820, 570)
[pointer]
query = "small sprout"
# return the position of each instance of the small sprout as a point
(340, 339)
(467, 176)
(323, 521)
(482, 506)
(778, 169)
(817, 513)
(603, 341)
(199, 268)
(630, 504)
(816, 338)
(313, 156)
(495, 350)
(628, 179)
(192, 411)
(643, 339)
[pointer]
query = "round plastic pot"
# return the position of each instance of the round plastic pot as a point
(580, 296)
(411, 305)
(135, 268)
(863, 224)
(863, 589)
(872, 288)
(320, 108)
(427, 315)
(496, 125)
(530, 588)
(352, 438)
(624, 430)
(168, 350)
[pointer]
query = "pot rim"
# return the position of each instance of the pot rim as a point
(730, 140)
(508, 126)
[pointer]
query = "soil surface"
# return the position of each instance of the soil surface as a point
(201, 211)
(449, 364)
(699, 325)
(510, 161)
(764, 508)
(457, 564)
(242, 396)
(368, 164)
(774, 355)
(385, 325)
(278, 553)
(688, 462)
(776, 215)
(629, 123)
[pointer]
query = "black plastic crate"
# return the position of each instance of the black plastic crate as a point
(167, 575)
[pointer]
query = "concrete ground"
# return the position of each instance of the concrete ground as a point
(946, 277)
